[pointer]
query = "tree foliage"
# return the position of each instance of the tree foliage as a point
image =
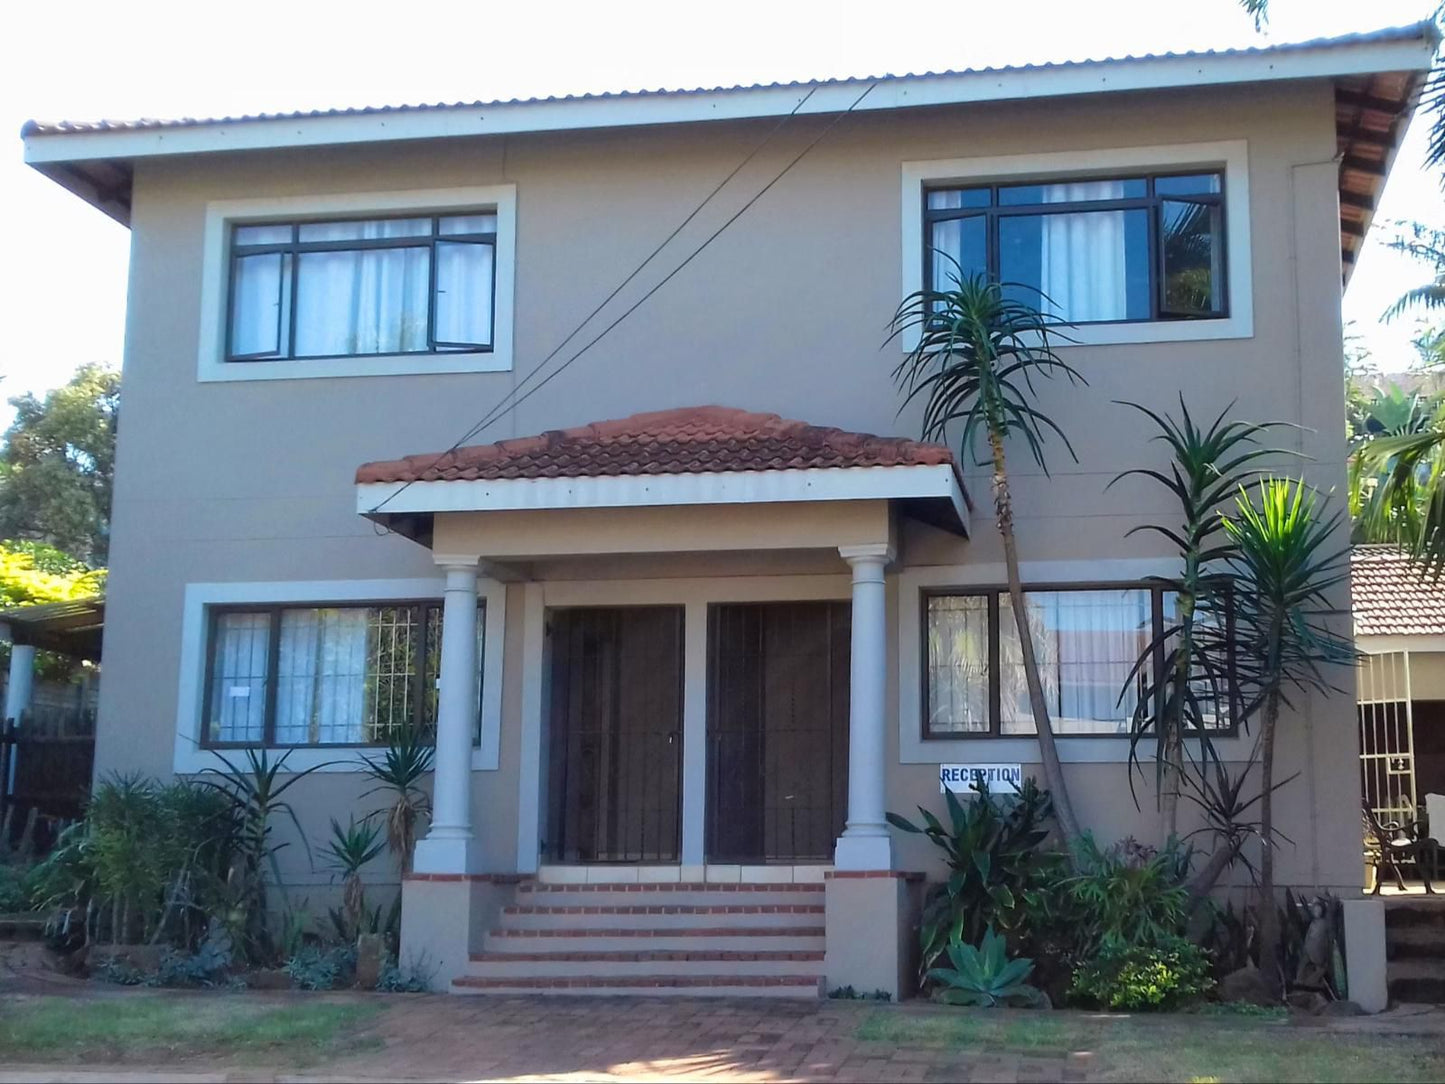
(57, 464)
(32, 573)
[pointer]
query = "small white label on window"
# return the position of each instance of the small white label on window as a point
(239, 692)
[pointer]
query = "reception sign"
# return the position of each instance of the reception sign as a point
(959, 778)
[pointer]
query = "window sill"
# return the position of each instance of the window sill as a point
(1100, 749)
(370, 365)
(343, 758)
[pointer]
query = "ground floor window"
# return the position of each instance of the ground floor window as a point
(1087, 641)
(323, 675)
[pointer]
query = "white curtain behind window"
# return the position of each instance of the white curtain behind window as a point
(1083, 255)
(321, 677)
(370, 301)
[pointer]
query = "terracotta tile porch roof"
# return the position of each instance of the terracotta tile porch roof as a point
(1390, 597)
(690, 440)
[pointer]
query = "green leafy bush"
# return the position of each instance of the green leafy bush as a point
(1162, 976)
(415, 977)
(17, 887)
(992, 846)
(1129, 893)
(984, 976)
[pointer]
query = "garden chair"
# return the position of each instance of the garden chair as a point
(1389, 843)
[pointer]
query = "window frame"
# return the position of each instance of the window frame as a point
(1150, 202)
(274, 612)
(215, 279)
(1230, 156)
(296, 248)
(994, 594)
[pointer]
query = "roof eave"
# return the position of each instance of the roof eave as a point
(1411, 50)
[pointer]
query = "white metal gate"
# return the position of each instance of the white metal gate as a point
(1387, 735)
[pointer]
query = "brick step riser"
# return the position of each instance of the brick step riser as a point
(599, 969)
(671, 895)
(1397, 948)
(1415, 918)
(690, 920)
(655, 942)
(808, 992)
(1418, 990)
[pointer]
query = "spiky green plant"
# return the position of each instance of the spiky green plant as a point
(398, 772)
(256, 788)
(1397, 489)
(349, 849)
(977, 356)
(984, 976)
(1207, 466)
(1286, 566)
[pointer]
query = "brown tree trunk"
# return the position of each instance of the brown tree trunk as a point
(1048, 750)
(1268, 916)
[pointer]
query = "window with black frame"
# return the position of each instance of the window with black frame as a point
(1087, 641)
(324, 675)
(379, 286)
(1115, 250)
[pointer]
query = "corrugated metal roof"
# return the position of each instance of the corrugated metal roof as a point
(1420, 30)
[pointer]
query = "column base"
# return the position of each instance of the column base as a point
(436, 928)
(871, 942)
(860, 852)
(444, 854)
(1365, 953)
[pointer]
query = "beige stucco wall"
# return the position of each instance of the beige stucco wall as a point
(787, 312)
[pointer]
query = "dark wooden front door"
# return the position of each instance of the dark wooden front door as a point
(777, 727)
(615, 738)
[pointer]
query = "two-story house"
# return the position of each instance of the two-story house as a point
(680, 664)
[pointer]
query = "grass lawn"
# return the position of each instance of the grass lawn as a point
(152, 1028)
(1183, 1048)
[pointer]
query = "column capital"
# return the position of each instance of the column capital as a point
(871, 553)
(449, 562)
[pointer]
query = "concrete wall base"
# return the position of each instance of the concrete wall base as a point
(442, 922)
(1365, 953)
(872, 919)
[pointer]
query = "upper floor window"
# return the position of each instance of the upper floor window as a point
(1140, 248)
(357, 287)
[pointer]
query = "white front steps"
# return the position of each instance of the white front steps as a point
(719, 940)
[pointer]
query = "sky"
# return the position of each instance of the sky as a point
(64, 277)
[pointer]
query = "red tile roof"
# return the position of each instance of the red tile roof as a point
(1391, 597)
(691, 440)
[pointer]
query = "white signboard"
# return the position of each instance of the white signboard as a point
(999, 777)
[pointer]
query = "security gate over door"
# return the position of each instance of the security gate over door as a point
(777, 729)
(615, 736)
(1387, 742)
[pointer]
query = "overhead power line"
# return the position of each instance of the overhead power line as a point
(516, 396)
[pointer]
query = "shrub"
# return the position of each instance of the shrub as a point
(1166, 975)
(413, 978)
(992, 845)
(16, 887)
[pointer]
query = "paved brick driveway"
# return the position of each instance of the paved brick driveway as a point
(577, 1038)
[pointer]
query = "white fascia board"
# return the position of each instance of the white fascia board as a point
(681, 107)
(654, 490)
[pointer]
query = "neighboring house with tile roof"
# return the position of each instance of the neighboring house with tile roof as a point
(1399, 619)
(680, 663)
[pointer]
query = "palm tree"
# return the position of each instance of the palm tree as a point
(1284, 573)
(1428, 245)
(975, 361)
(1397, 478)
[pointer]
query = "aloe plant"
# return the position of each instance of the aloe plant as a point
(399, 772)
(349, 849)
(1286, 568)
(978, 354)
(984, 976)
(1207, 466)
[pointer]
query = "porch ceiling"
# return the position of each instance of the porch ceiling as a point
(697, 456)
(73, 628)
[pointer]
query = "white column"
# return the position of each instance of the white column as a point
(865, 843)
(447, 846)
(22, 679)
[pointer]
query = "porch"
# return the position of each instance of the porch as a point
(701, 718)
